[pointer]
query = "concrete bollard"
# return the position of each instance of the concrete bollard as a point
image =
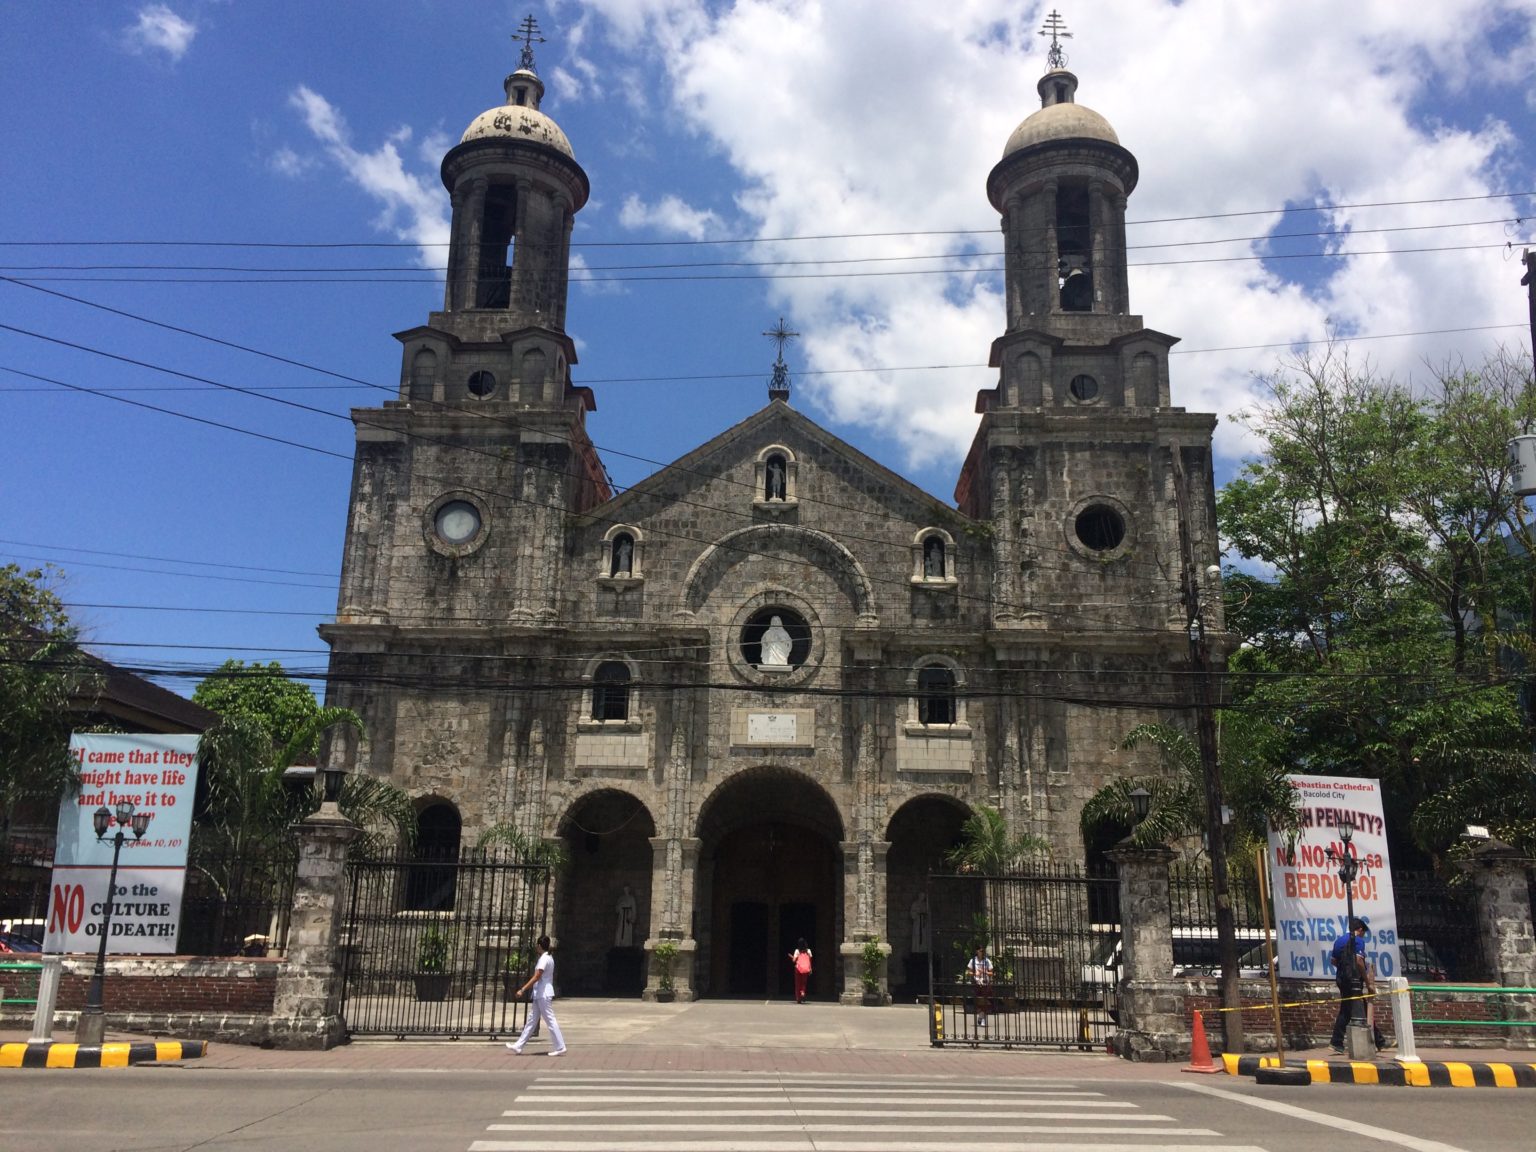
(47, 997)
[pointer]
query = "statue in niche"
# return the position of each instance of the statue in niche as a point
(933, 558)
(775, 486)
(776, 644)
(624, 929)
(919, 913)
(623, 556)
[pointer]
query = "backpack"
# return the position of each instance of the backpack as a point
(802, 961)
(1342, 955)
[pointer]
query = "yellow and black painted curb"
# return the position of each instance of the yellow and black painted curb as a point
(1414, 1074)
(51, 1055)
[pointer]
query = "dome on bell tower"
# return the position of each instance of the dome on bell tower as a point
(1060, 117)
(519, 118)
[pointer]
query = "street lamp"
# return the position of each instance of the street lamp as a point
(92, 1026)
(1141, 803)
(1349, 869)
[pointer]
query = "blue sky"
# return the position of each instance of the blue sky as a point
(859, 132)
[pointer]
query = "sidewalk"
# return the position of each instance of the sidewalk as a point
(724, 1035)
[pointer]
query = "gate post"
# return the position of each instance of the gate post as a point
(1151, 1025)
(306, 1008)
(1504, 922)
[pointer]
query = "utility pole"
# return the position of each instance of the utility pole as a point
(1210, 768)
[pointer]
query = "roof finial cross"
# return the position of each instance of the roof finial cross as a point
(778, 387)
(528, 33)
(1056, 29)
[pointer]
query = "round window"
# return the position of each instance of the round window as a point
(1100, 527)
(481, 384)
(457, 522)
(775, 639)
(1083, 389)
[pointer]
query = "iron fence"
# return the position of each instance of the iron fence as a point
(1438, 935)
(438, 945)
(1046, 937)
(238, 895)
(1192, 897)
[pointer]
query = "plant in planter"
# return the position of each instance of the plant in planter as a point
(665, 953)
(871, 961)
(433, 978)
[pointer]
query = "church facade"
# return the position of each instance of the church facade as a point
(755, 696)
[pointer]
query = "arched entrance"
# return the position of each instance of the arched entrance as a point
(431, 885)
(603, 897)
(770, 873)
(921, 832)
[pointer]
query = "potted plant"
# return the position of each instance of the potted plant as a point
(665, 953)
(511, 977)
(871, 961)
(432, 976)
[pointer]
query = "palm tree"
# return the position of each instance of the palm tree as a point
(986, 847)
(524, 848)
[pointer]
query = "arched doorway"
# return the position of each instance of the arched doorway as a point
(770, 873)
(432, 882)
(603, 898)
(921, 832)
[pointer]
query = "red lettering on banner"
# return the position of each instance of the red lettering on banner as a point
(67, 909)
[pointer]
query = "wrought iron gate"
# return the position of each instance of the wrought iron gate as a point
(1047, 937)
(437, 947)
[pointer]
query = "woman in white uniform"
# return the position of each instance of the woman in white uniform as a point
(542, 982)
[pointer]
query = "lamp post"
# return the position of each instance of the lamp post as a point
(92, 1026)
(1141, 803)
(1349, 869)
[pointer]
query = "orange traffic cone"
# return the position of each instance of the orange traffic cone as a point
(1200, 1051)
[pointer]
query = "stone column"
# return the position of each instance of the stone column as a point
(1004, 610)
(1152, 1024)
(306, 1007)
(1099, 247)
(1050, 252)
(1505, 924)
(1119, 256)
(453, 285)
(469, 239)
(671, 890)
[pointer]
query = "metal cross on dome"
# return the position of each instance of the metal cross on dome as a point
(528, 33)
(1056, 29)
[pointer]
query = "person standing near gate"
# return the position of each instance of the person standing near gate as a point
(1352, 972)
(980, 969)
(800, 958)
(541, 1002)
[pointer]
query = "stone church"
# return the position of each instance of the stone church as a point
(755, 696)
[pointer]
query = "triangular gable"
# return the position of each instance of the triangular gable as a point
(774, 414)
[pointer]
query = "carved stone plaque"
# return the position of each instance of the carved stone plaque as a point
(772, 727)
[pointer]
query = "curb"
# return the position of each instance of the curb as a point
(50, 1055)
(1418, 1074)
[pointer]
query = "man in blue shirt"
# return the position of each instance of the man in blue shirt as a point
(1352, 972)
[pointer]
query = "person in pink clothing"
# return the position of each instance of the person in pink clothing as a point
(541, 1006)
(801, 959)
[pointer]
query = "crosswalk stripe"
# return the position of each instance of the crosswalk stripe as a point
(941, 1132)
(894, 1113)
(675, 1145)
(554, 1096)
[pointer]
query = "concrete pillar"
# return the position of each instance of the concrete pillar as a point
(306, 1007)
(1505, 924)
(672, 888)
(474, 229)
(1152, 1025)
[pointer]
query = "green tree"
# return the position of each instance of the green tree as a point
(42, 674)
(1383, 549)
(987, 847)
(262, 692)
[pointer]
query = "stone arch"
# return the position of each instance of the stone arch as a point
(431, 881)
(606, 833)
(770, 870)
(423, 375)
(920, 833)
(719, 556)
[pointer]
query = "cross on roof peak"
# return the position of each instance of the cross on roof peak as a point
(1056, 29)
(528, 33)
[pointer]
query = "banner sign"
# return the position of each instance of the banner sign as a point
(158, 774)
(1310, 906)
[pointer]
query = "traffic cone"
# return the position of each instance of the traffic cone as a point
(1200, 1051)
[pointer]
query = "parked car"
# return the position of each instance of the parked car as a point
(14, 942)
(1419, 962)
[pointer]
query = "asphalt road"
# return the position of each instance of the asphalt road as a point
(547, 1105)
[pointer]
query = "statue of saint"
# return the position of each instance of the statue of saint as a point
(920, 923)
(933, 558)
(775, 479)
(776, 644)
(624, 930)
(623, 556)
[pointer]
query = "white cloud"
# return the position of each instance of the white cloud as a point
(286, 162)
(886, 115)
(159, 29)
(413, 209)
(670, 216)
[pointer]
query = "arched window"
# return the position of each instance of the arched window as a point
(935, 695)
(623, 555)
(610, 691)
(775, 474)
